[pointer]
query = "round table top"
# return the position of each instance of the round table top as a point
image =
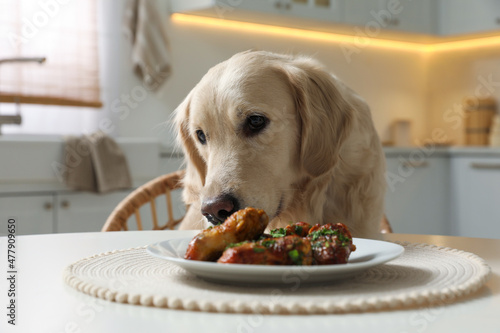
(44, 303)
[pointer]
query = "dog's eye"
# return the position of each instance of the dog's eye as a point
(201, 137)
(255, 124)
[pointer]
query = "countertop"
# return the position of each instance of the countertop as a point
(440, 151)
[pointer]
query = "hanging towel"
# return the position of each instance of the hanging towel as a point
(95, 163)
(144, 28)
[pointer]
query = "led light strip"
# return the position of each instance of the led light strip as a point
(348, 40)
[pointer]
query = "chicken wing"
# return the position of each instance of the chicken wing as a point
(287, 250)
(245, 224)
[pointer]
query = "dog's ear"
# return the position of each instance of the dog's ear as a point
(196, 166)
(325, 115)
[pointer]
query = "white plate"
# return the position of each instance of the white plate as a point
(369, 253)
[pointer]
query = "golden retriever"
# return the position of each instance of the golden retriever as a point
(280, 133)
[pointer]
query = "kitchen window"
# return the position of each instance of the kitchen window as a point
(58, 95)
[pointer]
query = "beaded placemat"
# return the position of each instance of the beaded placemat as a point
(423, 275)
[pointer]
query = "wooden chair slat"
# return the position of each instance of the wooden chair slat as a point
(138, 219)
(146, 194)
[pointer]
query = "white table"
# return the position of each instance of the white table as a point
(46, 304)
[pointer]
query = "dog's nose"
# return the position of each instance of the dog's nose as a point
(218, 209)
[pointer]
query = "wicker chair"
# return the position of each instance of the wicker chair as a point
(385, 226)
(148, 192)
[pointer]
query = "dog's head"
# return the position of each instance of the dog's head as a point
(254, 127)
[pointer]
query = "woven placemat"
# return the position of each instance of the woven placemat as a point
(423, 275)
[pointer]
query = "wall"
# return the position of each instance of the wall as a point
(392, 81)
(454, 75)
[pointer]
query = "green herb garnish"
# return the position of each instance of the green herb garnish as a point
(323, 232)
(268, 242)
(295, 256)
(278, 232)
(298, 229)
(236, 244)
(258, 249)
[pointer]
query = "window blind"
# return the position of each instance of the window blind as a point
(62, 31)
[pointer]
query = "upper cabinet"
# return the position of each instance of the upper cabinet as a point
(371, 17)
(399, 15)
(309, 14)
(468, 16)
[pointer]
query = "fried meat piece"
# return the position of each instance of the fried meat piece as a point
(331, 243)
(245, 224)
(300, 229)
(287, 250)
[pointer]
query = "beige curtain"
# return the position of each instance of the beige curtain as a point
(63, 31)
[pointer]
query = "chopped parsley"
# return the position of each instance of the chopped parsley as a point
(268, 242)
(295, 256)
(298, 229)
(278, 232)
(323, 232)
(258, 249)
(343, 239)
(236, 244)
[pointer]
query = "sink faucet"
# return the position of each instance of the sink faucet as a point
(17, 119)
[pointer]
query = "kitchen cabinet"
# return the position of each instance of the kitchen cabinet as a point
(57, 211)
(62, 210)
(365, 17)
(85, 212)
(34, 214)
(467, 16)
(417, 197)
(291, 13)
(326, 10)
(403, 15)
(36, 196)
(475, 195)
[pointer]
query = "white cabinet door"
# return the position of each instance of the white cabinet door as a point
(416, 16)
(34, 214)
(324, 10)
(417, 200)
(468, 16)
(85, 212)
(361, 12)
(476, 197)
(404, 15)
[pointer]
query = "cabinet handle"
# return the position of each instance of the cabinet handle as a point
(65, 204)
(391, 21)
(485, 166)
(422, 164)
(279, 5)
(47, 206)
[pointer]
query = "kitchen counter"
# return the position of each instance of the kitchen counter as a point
(30, 163)
(472, 151)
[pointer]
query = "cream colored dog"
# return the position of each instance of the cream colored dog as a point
(280, 133)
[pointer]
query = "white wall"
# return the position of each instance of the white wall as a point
(454, 76)
(391, 81)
